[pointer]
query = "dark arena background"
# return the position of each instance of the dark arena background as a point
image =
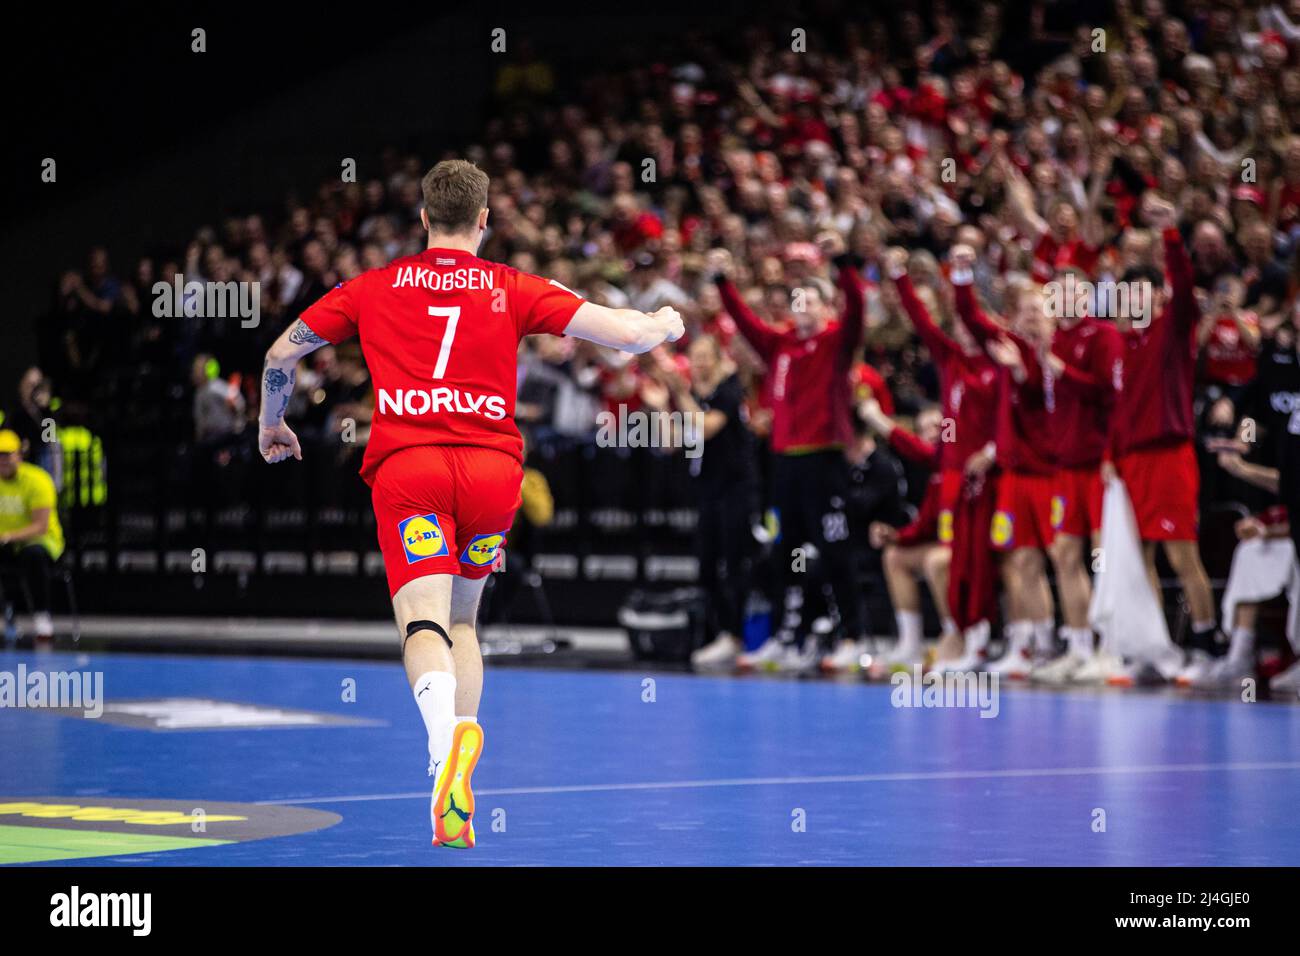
(824, 581)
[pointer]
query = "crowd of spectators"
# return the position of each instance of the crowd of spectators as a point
(892, 126)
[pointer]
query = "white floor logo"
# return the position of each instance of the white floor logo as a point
(195, 713)
(62, 690)
(133, 910)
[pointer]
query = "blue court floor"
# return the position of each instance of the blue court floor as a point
(585, 768)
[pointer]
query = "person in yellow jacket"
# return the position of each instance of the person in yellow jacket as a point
(31, 538)
(537, 507)
(536, 510)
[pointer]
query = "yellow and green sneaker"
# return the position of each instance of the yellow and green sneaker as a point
(453, 800)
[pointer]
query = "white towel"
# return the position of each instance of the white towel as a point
(1263, 568)
(1124, 609)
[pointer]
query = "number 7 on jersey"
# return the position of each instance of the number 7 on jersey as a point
(452, 315)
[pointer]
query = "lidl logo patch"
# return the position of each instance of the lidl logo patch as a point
(945, 526)
(483, 549)
(1003, 531)
(422, 538)
(1058, 511)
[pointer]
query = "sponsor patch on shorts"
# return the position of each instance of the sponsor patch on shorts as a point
(945, 526)
(1003, 531)
(483, 549)
(1058, 511)
(422, 538)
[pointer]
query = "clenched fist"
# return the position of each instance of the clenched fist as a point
(895, 261)
(672, 323)
(1158, 213)
(719, 262)
(278, 442)
(962, 256)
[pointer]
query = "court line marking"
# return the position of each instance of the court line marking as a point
(806, 781)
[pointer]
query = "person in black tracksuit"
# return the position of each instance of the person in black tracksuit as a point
(878, 491)
(724, 479)
(1274, 402)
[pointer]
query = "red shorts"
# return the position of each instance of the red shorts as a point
(950, 480)
(1023, 518)
(1163, 482)
(1076, 501)
(444, 509)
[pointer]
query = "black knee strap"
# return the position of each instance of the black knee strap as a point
(424, 626)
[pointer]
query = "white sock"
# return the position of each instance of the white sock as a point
(1199, 626)
(977, 638)
(909, 630)
(435, 695)
(1043, 635)
(1242, 645)
(949, 626)
(1018, 635)
(1078, 641)
(467, 720)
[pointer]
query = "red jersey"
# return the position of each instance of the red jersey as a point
(967, 383)
(1154, 404)
(722, 327)
(440, 332)
(808, 378)
(1288, 206)
(868, 383)
(633, 235)
(1229, 358)
(1085, 390)
(1050, 255)
(914, 448)
(1024, 427)
(925, 527)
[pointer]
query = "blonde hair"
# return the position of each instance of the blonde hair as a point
(454, 193)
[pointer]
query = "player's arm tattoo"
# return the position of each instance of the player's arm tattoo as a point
(278, 374)
(277, 386)
(301, 334)
(276, 379)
